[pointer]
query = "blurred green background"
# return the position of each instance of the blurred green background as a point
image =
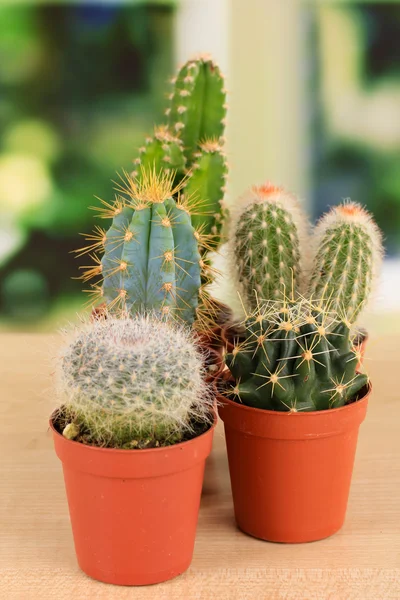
(81, 84)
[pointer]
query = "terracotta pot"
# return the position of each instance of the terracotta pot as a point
(134, 512)
(291, 472)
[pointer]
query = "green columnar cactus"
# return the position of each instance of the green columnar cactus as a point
(266, 245)
(207, 180)
(347, 258)
(125, 382)
(197, 115)
(163, 151)
(192, 144)
(295, 357)
(197, 109)
(151, 259)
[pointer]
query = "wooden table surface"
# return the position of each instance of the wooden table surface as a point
(37, 558)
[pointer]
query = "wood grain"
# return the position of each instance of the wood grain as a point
(37, 559)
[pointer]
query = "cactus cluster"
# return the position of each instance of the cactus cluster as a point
(270, 252)
(169, 212)
(191, 142)
(130, 380)
(296, 356)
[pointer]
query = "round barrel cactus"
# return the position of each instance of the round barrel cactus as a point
(126, 381)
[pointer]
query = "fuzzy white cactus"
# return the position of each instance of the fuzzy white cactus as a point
(132, 379)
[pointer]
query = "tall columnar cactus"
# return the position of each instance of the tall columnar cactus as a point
(197, 113)
(207, 180)
(347, 257)
(125, 382)
(197, 108)
(151, 259)
(266, 245)
(295, 358)
(192, 144)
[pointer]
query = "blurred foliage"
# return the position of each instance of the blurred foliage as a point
(81, 85)
(356, 110)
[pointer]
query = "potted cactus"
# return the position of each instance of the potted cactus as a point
(133, 430)
(293, 398)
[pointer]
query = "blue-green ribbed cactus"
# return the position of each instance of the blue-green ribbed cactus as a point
(266, 245)
(151, 259)
(296, 357)
(348, 251)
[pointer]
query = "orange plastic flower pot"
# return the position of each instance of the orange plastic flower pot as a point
(291, 472)
(134, 512)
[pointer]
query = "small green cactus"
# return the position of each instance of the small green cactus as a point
(267, 245)
(151, 260)
(125, 381)
(296, 357)
(347, 259)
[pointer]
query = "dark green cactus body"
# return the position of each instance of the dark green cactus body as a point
(298, 359)
(348, 251)
(197, 109)
(151, 260)
(265, 246)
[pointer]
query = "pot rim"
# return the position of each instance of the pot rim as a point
(126, 451)
(274, 424)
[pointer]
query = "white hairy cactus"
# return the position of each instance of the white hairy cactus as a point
(132, 379)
